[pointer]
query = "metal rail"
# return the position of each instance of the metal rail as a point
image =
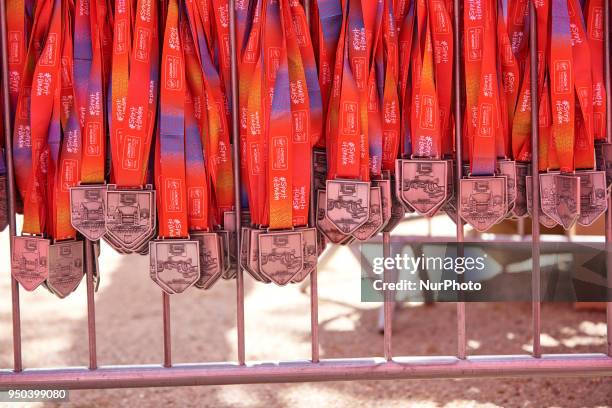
(562, 365)
(535, 185)
(389, 367)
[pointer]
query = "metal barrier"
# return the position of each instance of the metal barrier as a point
(389, 367)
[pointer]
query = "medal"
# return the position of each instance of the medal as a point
(87, 201)
(129, 212)
(424, 177)
(209, 177)
(281, 113)
(483, 196)
(66, 261)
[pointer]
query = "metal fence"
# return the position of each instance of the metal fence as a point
(386, 367)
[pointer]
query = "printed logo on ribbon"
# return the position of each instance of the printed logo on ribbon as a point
(562, 76)
(474, 43)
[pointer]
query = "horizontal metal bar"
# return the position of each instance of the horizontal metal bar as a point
(561, 365)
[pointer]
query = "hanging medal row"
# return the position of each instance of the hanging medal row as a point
(347, 120)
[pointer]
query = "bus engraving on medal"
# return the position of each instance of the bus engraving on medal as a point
(483, 201)
(560, 198)
(130, 217)
(507, 169)
(324, 225)
(87, 205)
(348, 204)
(593, 196)
(65, 267)
(175, 264)
(281, 255)
(4, 215)
(30, 261)
(375, 220)
(424, 184)
(211, 266)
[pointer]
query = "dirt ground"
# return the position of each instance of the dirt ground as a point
(129, 328)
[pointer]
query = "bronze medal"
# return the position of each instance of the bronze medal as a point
(386, 199)
(375, 221)
(311, 254)
(30, 261)
(545, 220)
(229, 225)
(211, 266)
(593, 197)
(560, 198)
(229, 272)
(4, 214)
(254, 267)
(329, 230)
(174, 264)
(87, 203)
(244, 248)
(319, 163)
(483, 201)
(397, 208)
(424, 184)
(281, 255)
(130, 217)
(603, 158)
(520, 202)
(66, 261)
(507, 169)
(348, 204)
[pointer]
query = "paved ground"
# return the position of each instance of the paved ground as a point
(277, 327)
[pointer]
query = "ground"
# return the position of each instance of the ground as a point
(129, 328)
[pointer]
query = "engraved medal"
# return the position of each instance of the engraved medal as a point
(66, 261)
(483, 201)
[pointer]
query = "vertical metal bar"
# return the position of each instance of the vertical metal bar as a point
(389, 301)
(314, 291)
(167, 330)
(90, 259)
(236, 164)
(461, 330)
(609, 139)
(10, 176)
(535, 185)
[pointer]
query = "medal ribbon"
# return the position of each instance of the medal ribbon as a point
(171, 178)
(196, 129)
(561, 68)
(483, 149)
(42, 101)
(66, 157)
(131, 137)
(94, 129)
(22, 138)
(595, 35)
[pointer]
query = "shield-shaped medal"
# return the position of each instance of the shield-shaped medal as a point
(483, 201)
(66, 260)
(281, 255)
(174, 263)
(87, 203)
(348, 203)
(30, 261)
